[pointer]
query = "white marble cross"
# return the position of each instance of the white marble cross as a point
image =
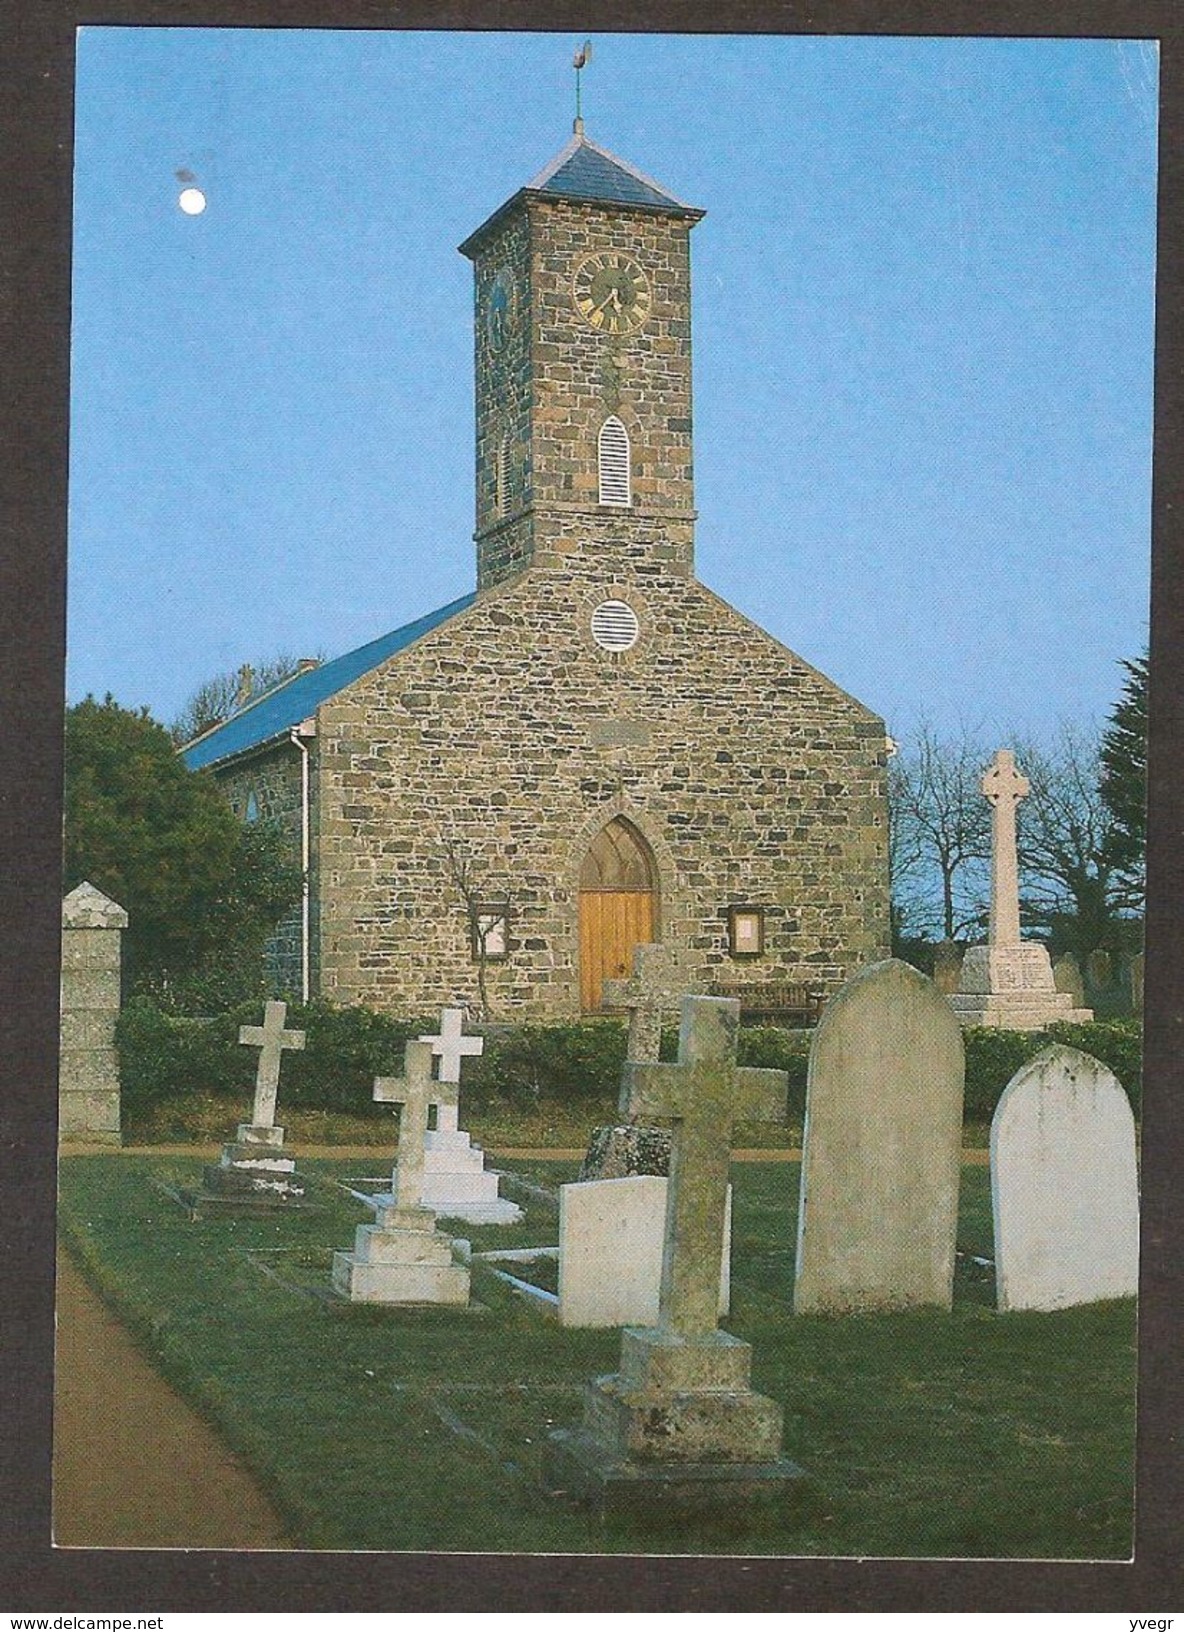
(450, 1047)
(704, 1095)
(414, 1093)
(270, 1037)
(1004, 786)
(653, 989)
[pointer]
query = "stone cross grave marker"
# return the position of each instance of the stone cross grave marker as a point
(450, 1046)
(878, 1213)
(1008, 982)
(414, 1093)
(654, 988)
(1004, 786)
(271, 1038)
(402, 1258)
(680, 1422)
(1064, 1185)
(705, 1094)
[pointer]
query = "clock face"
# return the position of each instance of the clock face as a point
(611, 292)
(497, 313)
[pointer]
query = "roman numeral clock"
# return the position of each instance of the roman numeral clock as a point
(612, 292)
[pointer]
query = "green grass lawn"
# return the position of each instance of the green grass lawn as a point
(972, 1434)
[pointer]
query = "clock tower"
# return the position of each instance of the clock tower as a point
(583, 366)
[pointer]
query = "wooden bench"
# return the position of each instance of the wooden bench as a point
(775, 1003)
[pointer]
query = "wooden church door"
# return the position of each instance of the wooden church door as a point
(618, 908)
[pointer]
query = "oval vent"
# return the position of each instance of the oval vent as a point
(615, 626)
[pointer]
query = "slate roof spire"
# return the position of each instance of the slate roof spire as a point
(584, 171)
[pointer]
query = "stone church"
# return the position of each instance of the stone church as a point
(592, 750)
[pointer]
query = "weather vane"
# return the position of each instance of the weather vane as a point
(581, 60)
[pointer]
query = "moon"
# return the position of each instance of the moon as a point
(192, 201)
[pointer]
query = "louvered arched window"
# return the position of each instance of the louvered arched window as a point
(613, 453)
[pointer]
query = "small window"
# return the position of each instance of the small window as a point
(502, 477)
(252, 811)
(613, 452)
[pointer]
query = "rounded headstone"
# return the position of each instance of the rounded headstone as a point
(1064, 1184)
(881, 1155)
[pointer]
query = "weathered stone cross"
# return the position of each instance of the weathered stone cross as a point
(705, 1095)
(271, 1038)
(450, 1047)
(1003, 787)
(414, 1092)
(653, 989)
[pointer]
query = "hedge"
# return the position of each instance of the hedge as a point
(165, 1057)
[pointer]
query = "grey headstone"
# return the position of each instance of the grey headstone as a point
(1067, 974)
(947, 967)
(882, 1147)
(1064, 1187)
(1099, 969)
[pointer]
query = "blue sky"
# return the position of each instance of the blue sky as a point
(923, 344)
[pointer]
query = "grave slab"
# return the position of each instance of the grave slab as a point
(1064, 1185)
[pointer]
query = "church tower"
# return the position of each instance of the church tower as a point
(583, 371)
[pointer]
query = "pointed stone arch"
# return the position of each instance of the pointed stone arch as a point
(618, 896)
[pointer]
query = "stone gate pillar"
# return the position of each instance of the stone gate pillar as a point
(88, 1072)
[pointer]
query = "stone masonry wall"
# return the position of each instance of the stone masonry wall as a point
(511, 734)
(273, 776)
(503, 407)
(551, 387)
(88, 1069)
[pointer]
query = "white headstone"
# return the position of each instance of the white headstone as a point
(1064, 1186)
(610, 1251)
(882, 1148)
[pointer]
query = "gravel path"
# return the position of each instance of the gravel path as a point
(133, 1465)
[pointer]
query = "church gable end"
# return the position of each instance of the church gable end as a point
(594, 751)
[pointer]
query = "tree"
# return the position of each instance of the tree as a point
(1123, 785)
(1071, 885)
(217, 699)
(939, 836)
(202, 891)
(464, 873)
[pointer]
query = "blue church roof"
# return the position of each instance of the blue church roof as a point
(278, 710)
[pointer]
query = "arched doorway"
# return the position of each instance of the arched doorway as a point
(618, 907)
